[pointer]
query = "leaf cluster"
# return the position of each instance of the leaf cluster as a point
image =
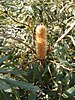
(21, 74)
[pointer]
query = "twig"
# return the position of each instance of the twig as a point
(19, 40)
(66, 32)
(72, 70)
(16, 20)
(52, 76)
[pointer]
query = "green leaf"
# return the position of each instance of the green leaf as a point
(2, 17)
(3, 58)
(23, 85)
(72, 39)
(14, 71)
(69, 92)
(73, 64)
(4, 96)
(4, 85)
(4, 48)
(32, 96)
(64, 62)
(16, 94)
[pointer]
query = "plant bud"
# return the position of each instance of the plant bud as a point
(41, 42)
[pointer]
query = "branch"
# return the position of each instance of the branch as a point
(19, 40)
(69, 69)
(66, 32)
(16, 20)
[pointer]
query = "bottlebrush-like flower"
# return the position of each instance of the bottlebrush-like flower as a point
(41, 42)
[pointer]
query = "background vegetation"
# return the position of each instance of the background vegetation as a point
(21, 77)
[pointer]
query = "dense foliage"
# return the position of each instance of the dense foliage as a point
(21, 74)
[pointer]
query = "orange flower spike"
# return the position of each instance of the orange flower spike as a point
(41, 42)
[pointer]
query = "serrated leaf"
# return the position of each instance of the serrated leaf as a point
(14, 71)
(23, 85)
